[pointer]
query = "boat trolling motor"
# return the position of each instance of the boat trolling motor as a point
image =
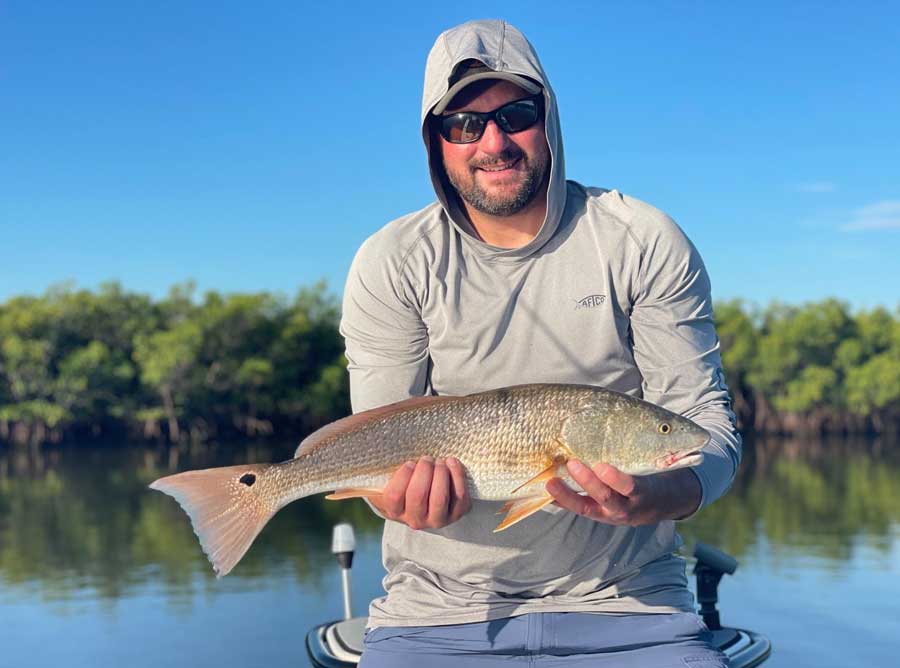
(343, 545)
(339, 644)
(712, 564)
(743, 648)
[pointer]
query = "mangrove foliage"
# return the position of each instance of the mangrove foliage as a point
(86, 364)
(112, 362)
(814, 368)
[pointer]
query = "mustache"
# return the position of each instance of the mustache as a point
(499, 159)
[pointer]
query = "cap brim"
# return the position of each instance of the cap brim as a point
(522, 82)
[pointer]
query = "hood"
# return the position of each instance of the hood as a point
(503, 48)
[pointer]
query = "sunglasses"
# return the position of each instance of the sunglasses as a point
(465, 127)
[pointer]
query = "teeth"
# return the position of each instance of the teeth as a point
(498, 168)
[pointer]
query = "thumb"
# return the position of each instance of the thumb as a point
(622, 483)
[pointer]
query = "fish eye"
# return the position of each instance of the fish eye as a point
(665, 428)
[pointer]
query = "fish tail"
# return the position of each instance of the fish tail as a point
(226, 508)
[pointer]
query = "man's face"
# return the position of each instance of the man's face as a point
(500, 174)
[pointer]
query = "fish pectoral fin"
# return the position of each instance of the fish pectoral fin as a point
(505, 508)
(552, 471)
(519, 510)
(353, 493)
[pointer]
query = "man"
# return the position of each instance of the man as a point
(513, 276)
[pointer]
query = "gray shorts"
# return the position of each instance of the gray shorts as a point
(545, 639)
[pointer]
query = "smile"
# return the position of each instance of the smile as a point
(501, 167)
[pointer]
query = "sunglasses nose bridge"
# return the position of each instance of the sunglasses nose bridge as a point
(494, 138)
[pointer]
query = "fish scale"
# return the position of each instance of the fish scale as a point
(501, 438)
(510, 441)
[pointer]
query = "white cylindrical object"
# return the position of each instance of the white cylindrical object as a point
(342, 539)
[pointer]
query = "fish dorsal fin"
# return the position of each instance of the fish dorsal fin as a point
(354, 422)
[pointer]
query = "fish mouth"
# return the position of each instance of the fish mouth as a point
(677, 460)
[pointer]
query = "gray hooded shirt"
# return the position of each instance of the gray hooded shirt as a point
(609, 293)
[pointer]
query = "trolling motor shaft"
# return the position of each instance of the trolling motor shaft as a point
(343, 544)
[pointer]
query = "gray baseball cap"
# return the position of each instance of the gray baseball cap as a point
(470, 71)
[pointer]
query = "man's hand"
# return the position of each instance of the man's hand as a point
(427, 494)
(614, 497)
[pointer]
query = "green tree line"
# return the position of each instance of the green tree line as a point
(77, 363)
(813, 368)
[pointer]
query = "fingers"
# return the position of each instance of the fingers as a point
(393, 498)
(590, 483)
(567, 498)
(603, 502)
(622, 506)
(426, 493)
(620, 482)
(460, 501)
(418, 491)
(439, 496)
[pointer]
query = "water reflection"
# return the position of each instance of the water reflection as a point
(77, 519)
(74, 519)
(822, 499)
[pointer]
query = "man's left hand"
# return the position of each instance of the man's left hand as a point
(614, 497)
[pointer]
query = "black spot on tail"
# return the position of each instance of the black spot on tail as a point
(248, 479)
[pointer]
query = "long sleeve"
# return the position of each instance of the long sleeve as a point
(677, 351)
(386, 340)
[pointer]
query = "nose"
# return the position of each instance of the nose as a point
(494, 140)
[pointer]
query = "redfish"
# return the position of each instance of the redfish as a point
(510, 441)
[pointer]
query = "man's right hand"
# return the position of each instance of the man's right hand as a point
(427, 494)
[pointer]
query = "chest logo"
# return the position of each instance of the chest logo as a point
(591, 301)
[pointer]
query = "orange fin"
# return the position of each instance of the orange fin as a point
(225, 508)
(522, 508)
(505, 508)
(551, 471)
(353, 493)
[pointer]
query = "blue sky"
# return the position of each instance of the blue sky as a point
(253, 146)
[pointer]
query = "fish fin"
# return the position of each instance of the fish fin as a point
(352, 422)
(522, 508)
(353, 493)
(551, 471)
(505, 508)
(225, 508)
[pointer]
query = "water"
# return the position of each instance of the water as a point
(96, 570)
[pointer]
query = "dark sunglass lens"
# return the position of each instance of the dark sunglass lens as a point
(462, 128)
(518, 116)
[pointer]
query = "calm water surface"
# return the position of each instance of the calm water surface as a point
(97, 570)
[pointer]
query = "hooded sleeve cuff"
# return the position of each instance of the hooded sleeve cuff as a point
(718, 469)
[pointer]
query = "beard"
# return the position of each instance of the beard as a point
(502, 202)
